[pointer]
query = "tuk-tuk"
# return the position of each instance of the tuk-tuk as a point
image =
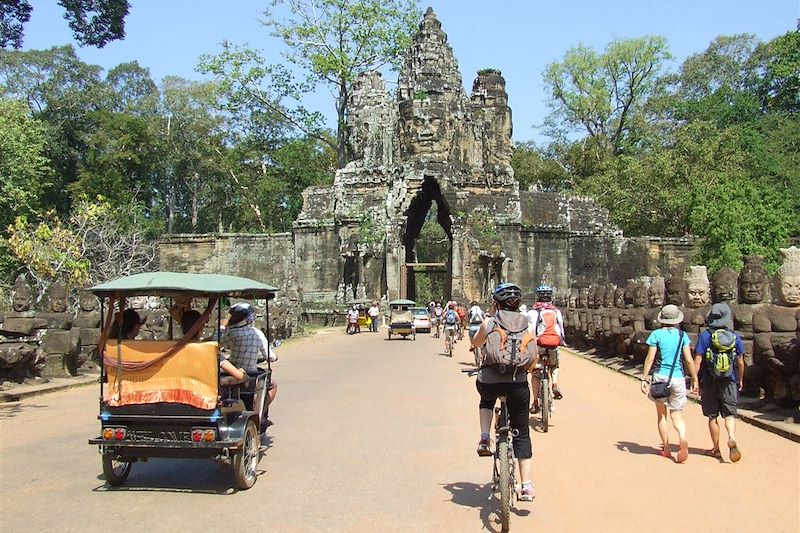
(361, 305)
(166, 398)
(401, 319)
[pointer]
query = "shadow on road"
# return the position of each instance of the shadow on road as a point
(179, 475)
(11, 410)
(477, 496)
(639, 449)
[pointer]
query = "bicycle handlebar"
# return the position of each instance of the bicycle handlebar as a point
(470, 371)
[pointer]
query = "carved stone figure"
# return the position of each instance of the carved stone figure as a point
(777, 331)
(58, 298)
(752, 284)
(21, 295)
(723, 286)
(87, 302)
(676, 290)
(698, 297)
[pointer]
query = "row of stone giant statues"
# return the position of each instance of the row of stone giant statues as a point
(616, 321)
(58, 335)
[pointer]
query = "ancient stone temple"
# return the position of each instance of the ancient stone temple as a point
(430, 143)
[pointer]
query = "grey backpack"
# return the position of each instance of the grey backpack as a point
(509, 345)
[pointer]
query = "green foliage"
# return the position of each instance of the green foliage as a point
(536, 170)
(370, 232)
(482, 229)
(25, 173)
(780, 86)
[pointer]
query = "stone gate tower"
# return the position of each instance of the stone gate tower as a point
(431, 143)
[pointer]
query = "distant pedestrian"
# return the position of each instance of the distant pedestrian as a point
(671, 343)
(374, 312)
(719, 359)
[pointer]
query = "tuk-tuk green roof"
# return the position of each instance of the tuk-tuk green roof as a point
(177, 283)
(403, 302)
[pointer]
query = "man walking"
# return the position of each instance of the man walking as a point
(719, 360)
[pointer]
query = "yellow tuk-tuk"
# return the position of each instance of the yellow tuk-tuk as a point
(401, 319)
(362, 304)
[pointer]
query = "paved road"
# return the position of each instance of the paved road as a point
(375, 435)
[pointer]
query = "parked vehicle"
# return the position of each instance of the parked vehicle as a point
(401, 320)
(166, 398)
(422, 320)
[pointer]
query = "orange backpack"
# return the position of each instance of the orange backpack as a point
(509, 344)
(546, 334)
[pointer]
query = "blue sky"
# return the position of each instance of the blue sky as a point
(520, 37)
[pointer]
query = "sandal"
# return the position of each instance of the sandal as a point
(665, 453)
(534, 409)
(557, 393)
(715, 453)
(734, 449)
(683, 451)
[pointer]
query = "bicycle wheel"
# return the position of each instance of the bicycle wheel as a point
(504, 467)
(544, 394)
(449, 345)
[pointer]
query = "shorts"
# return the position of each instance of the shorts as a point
(552, 356)
(719, 396)
(518, 399)
(677, 398)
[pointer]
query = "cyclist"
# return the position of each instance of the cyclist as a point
(546, 322)
(493, 383)
(436, 316)
(476, 317)
(462, 320)
(450, 321)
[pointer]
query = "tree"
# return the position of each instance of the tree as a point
(602, 94)
(536, 170)
(333, 41)
(780, 87)
(93, 22)
(25, 173)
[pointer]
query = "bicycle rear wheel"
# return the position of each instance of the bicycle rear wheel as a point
(544, 393)
(504, 467)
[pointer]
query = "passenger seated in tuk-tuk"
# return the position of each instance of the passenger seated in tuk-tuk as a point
(187, 321)
(131, 324)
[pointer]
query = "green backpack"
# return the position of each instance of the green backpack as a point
(721, 353)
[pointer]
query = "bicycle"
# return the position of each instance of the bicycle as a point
(504, 475)
(545, 374)
(449, 339)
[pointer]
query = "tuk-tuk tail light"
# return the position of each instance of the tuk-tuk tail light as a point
(209, 435)
(108, 433)
(119, 433)
(197, 435)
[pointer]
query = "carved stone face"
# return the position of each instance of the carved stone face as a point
(724, 286)
(608, 297)
(790, 290)
(87, 301)
(583, 298)
(21, 299)
(655, 296)
(640, 296)
(697, 294)
(424, 130)
(58, 303)
(676, 287)
(619, 298)
(752, 288)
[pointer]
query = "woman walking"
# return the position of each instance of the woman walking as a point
(667, 386)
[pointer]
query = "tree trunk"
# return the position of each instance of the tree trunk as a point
(341, 129)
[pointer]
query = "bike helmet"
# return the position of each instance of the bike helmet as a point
(544, 293)
(506, 292)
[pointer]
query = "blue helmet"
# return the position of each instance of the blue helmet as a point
(544, 292)
(506, 292)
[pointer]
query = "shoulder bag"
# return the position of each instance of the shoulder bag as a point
(663, 389)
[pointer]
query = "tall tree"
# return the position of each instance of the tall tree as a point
(332, 41)
(780, 88)
(93, 22)
(601, 94)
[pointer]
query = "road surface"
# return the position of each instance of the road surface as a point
(372, 435)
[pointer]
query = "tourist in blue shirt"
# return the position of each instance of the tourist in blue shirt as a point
(671, 343)
(719, 394)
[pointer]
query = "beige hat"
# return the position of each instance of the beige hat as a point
(670, 315)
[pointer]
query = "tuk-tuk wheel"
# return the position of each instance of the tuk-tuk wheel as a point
(115, 471)
(246, 459)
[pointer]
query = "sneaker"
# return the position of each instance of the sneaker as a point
(485, 448)
(736, 455)
(557, 393)
(526, 494)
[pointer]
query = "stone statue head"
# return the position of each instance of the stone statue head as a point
(723, 285)
(21, 295)
(425, 129)
(698, 289)
(58, 297)
(573, 298)
(87, 301)
(789, 277)
(608, 297)
(753, 280)
(640, 298)
(619, 297)
(656, 292)
(597, 296)
(138, 302)
(583, 297)
(676, 290)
